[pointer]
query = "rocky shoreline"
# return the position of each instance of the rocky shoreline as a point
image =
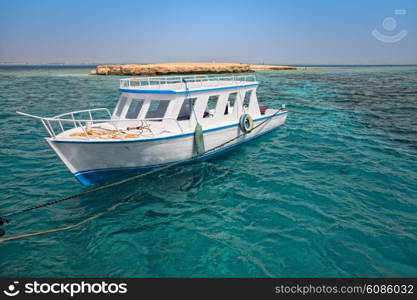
(182, 68)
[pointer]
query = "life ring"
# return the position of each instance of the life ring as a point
(246, 123)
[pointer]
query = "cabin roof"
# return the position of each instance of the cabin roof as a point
(185, 84)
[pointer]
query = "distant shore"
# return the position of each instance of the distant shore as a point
(183, 68)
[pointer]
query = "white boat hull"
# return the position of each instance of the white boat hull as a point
(94, 162)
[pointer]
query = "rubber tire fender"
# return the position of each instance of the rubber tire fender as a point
(246, 123)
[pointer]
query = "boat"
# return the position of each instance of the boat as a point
(160, 121)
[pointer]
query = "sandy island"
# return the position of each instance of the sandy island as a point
(182, 68)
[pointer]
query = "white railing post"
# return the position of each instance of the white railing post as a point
(46, 128)
(75, 123)
(50, 127)
(60, 125)
(85, 132)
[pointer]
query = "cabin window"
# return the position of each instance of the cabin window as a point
(186, 109)
(230, 103)
(211, 106)
(121, 105)
(134, 108)
(157, 109)
(246, 100)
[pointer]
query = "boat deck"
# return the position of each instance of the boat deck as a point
(106, 131)
(122, 131)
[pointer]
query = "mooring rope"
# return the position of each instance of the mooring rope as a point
(103, 187)
(58, 229)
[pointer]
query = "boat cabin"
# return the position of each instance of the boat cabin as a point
(185, 100)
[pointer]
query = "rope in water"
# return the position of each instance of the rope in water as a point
(68, 227)
(103, 187)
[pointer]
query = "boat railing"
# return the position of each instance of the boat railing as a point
(58, 124)
(161, 82)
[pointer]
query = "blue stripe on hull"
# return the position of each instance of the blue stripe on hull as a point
(98, 176)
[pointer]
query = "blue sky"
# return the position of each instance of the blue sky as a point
(281, 32)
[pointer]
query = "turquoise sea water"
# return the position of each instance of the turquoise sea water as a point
(332, 193)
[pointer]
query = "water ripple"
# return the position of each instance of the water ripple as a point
(332, 193)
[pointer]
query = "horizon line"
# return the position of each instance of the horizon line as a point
(147, 63)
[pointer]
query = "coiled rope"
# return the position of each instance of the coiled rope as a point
(5, 217)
